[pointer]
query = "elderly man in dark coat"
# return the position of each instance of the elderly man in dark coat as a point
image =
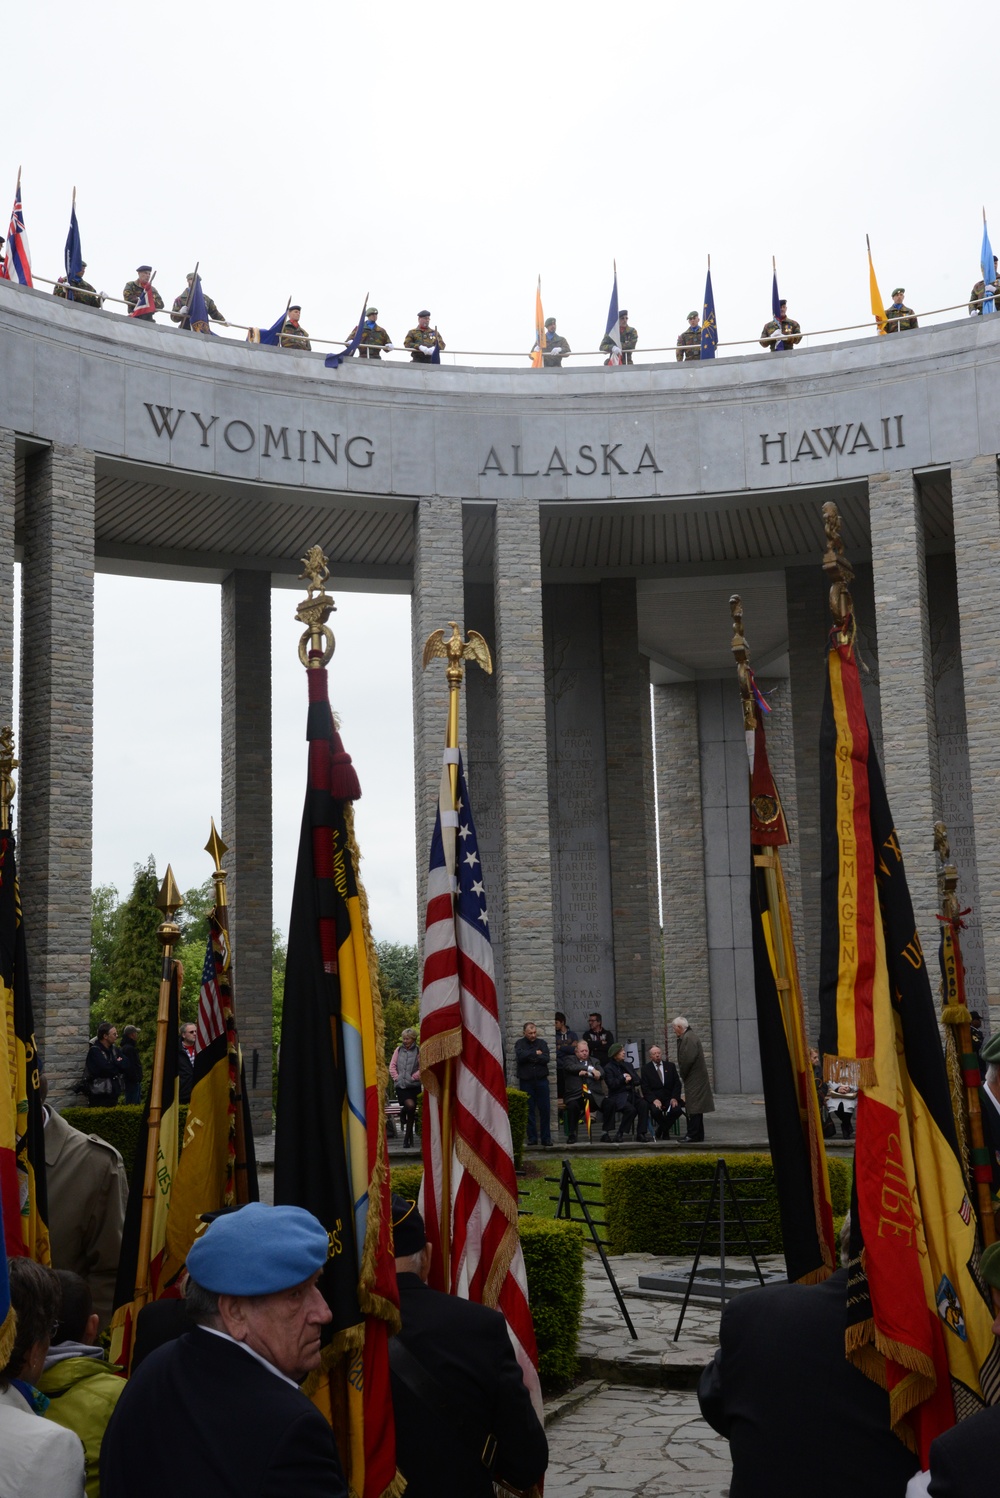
(691, 1064)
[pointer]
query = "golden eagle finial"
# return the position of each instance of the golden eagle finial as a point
(455, 650)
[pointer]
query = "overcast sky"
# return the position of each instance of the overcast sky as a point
(445, 155)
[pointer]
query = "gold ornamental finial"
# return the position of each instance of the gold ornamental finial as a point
(741, 651)
(169, 900)
(217, 848)
(317, 644)
(948, 873)
(836, 566)
(8, 764)
(455, 650)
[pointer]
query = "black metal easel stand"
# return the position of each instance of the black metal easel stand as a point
(721, 1183)
(570, 1191)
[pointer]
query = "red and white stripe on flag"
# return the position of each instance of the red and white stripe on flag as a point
(211, 1020)
(16, 262)
(460, 1029)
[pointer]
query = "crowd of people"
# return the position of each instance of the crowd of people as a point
(112, 1073)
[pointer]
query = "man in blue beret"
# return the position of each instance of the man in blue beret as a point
(219, 1411)
(463, 1414)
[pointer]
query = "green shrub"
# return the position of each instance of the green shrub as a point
(646, 1210)
(119, 1126)
(841, 1174)
(553, 1260)
(517, 1112)
(406, 1180)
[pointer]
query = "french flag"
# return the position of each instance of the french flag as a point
(16, 263)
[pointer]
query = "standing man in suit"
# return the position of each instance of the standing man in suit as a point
(661, 1087)
(463, 1413)
(253, 1291)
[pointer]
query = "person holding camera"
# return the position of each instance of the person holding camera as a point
(105, 1068)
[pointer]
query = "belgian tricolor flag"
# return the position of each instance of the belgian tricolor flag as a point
(141, 1276)
(794, 1127)
(918, 1314)
(330, 1147)
(22, 1147)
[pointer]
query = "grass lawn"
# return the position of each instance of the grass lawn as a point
(535, 1191)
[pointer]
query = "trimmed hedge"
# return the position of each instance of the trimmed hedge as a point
(644, 1200)
(119, 1126)
(553, 1260)
(517, 1112)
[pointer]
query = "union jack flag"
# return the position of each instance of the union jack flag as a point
(460, 1049)
(16, 263)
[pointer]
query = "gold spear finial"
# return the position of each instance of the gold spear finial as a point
(948, 875)
(317, 644)
(8, 764)
(836, 566)
(741, 651)
(217, 849)
(169, 900)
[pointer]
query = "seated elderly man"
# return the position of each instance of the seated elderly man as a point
(36, 1457)
(253, 1291)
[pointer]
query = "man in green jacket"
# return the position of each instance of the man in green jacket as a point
(81, 1389)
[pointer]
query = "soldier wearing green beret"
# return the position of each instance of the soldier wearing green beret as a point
(978, 291)
(898, 319)
(423, 339)
(134, 290)
(554, 346)
(781, 329)
(373, 338)
(625, 338)
(689, 343)
(293, 334)
(180, 308)
(82, 290)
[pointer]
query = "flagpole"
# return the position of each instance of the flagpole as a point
(455, 650)
(169, 901)
(216, 848)
(955, 1014)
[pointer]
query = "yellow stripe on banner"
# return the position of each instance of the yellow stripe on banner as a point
(203, 1174)
(166, 1166)
(847, 875)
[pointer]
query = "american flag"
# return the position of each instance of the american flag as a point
(460, 1035)
(211, 1020)
(16, 263)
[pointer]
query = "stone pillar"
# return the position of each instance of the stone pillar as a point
(526, 893)
(909, 727)
(7, 492)
(631, 812)
(246, 819)
(975, 497)
(682, 863)
(54, 805)
(438, 597)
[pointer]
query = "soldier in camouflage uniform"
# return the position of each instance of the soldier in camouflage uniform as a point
(179, 310)
(979, 291)
(422, 340)
(780, 328)
(898, 319)
(373, 338)
(556, 346)
(82, 290)
(689, 343)
(134, 289)
(626, 339)
(293, 335)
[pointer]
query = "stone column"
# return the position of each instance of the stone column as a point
(246, 819)
(54, 806)
(631, 813)
(7, 492)
(526, 882)
(975, 497)
(682, 862)
(909, 726)
(438, 597)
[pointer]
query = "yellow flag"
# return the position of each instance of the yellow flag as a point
(878, 306)
(536, 357)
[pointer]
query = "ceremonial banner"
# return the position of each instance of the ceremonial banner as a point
(776, 307)
(611, 331)
(878, 306)
(536, 354)
(330, 1147)
(132, 1270)
(205, 1180)
(8, 1318)
(794, 1127)
(919, 1318)
(73, 253)
(197, 313)
(988, 268)
(461, 1068)
(334, 361)
(16, 262)
(145, 306)
(709, 327)
(22, 1145)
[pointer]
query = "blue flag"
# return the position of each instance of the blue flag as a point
(611, 331)
(334, 361)
(989, 270)
(73, 255)
(776, 306)
(197, 312)
(709, 330)
(272, 334)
